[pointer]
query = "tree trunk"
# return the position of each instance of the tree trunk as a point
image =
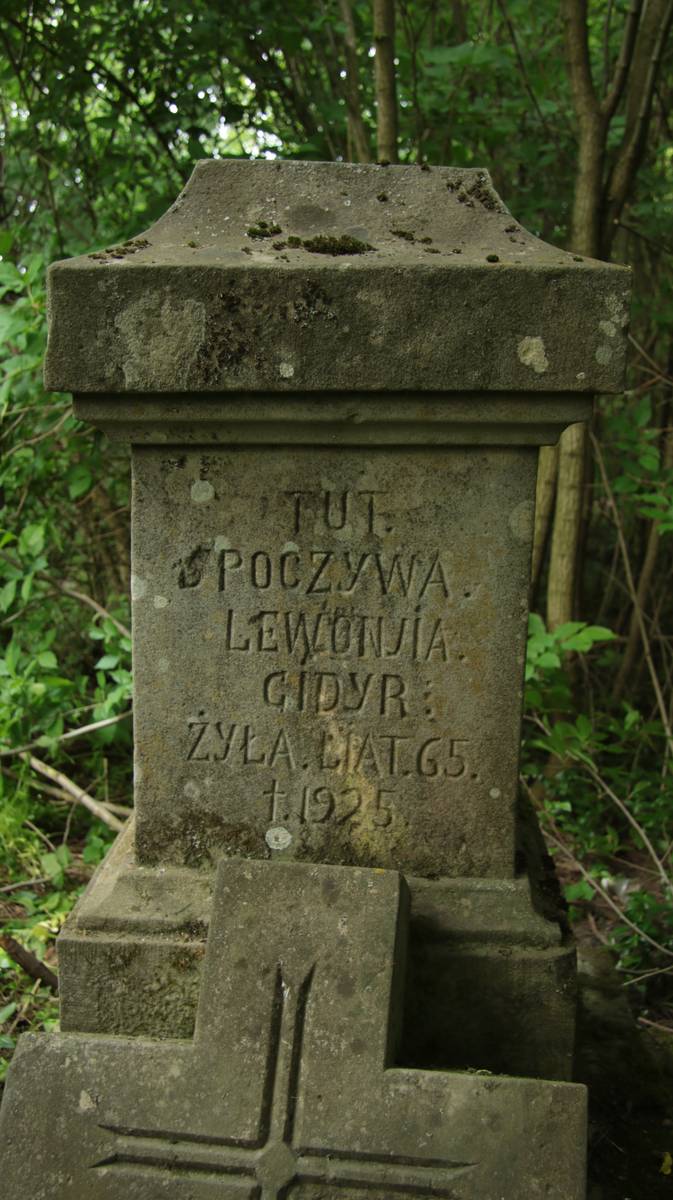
(545, 492)
(384, 72)
(597, 207)
(648, 47)
(566, 533)
(358, 135)
(584, 239)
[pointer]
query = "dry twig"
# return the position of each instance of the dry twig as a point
(69, 735)
(73, 789)
(28, 961)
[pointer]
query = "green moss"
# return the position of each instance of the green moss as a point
(121, 251)
(324, 244)
(492, 258)
(263, 230)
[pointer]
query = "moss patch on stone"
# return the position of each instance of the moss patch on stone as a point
(263, 230)
(121, 251)
(323, 243)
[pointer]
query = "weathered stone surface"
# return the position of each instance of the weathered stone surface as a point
(490, 981)
(352, 419)
(403, 279)
(329, 654)
(289, 1087)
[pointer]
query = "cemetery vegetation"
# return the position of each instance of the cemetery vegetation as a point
(103, 110)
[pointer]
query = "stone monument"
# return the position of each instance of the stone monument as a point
(327, 960)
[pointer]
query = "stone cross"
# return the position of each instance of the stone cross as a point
(288, 1088)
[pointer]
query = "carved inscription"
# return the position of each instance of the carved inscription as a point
(322, 572)
(338, 634)
(343, 751)
(342, 644)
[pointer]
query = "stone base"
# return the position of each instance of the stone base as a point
(490, 980)
(289, 1086)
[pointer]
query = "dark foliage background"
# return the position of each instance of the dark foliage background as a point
(103, 110)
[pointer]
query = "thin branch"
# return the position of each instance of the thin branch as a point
(82, 596)
(647, 975)
(600, 891)
(579, 62)
(606, 45)
(384, 75)
(75, 791)
(55, 793)
(644, 584)
(655, 1025)
(644, 637)
(14, 887)
(616, 87)
(653, 32)
(68, 589)
(82, 731)
(28, 961)
(655, 366)
(358, 129)
(522, 68)
(626, 812)
(41, 437)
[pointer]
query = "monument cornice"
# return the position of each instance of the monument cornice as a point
(301, 277)
(323, 418)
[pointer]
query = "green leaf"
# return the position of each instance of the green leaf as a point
(578, 891)
(79, 481)
(536, 624)
(31, 540)
(568, 629)
(47, 658)
(7, 594)
(584, 727)
(632, 718)
(549, 659)
(107, 662)
(63, 855)
(12, 654)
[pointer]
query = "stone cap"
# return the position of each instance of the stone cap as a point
(312, 277)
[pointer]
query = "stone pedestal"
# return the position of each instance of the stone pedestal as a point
(335, 380)
(293, 1092)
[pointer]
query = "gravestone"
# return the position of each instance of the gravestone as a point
(335, 380)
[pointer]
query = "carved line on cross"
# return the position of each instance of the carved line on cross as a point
(270, 1165)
